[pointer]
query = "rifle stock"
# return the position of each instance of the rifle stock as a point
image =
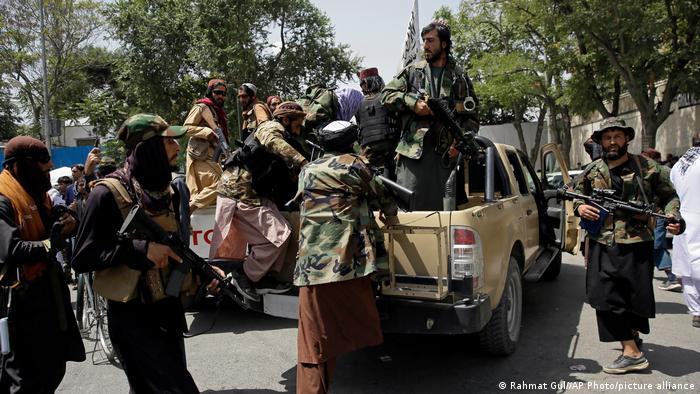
(139, 225)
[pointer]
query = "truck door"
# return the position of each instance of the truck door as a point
(554, 174)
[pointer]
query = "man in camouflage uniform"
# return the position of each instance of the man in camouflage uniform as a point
(340, 246)
(255, 112)
(241, 210)
(205, 123)
(424, 155)
(620, 259)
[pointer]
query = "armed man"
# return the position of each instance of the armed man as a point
(340, 247)
(425, 157)
(245, 210)
(207, 128)
(620, 255)
(378, 135)
(145, 323)
(34, 298)
(255, 112)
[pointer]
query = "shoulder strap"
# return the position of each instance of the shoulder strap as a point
(638, 176)
(121, 195)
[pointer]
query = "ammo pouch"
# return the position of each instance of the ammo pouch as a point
(122, 283)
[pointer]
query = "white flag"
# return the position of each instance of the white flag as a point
(412, 45)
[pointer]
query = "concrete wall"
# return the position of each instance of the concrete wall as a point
(74, 133)
(506, 134)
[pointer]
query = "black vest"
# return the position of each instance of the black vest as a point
(375, 121)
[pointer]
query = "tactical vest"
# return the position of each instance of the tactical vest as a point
(120, 282)
(375, 121)
(268, 170)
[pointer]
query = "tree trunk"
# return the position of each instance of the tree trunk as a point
(535, 151)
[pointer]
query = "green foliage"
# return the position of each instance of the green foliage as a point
(642, 43)
(113, 148)
(172, 47)
(8, 116)
(70, 25)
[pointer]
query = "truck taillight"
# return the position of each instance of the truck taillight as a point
(467, 258)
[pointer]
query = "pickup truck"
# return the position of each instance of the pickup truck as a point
(461, 271)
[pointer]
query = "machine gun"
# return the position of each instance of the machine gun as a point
(139, 225)
(402, 195)
(465, 142)
(604, 200)
(465, 139)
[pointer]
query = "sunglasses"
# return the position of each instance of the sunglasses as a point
(220, 92)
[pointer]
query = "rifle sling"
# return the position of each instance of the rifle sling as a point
(638, 176)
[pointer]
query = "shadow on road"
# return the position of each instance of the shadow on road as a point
(231, 318)
(672, 360)
(447, 364)
(668, 308)
(289, 383)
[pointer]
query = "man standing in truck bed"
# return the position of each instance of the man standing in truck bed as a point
(620, 255)
(424, 154)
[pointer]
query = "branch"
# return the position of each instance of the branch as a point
(589, 74)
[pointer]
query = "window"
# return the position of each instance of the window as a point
(518, 171)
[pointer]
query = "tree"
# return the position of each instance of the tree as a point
(69, 28)
(648, 44)
(172, 47)
(508, 62)
(8, 116)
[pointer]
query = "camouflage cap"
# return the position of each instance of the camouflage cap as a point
(612, 122)
(141, 127)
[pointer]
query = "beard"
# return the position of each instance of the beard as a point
(34, 181)
(614, 155)
(434, 56)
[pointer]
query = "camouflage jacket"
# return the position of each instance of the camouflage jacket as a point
(413, 83)
(339, 238)
(254, 117)
(622, 227)
(237, 182)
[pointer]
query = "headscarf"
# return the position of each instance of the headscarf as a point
(27, 152)
(148, 164)
(270, 98)
(348, 101)
(289, 109)
(220, 114)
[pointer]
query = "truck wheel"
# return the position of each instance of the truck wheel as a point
(501, 333)
(552, 272)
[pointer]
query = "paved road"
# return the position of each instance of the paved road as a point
(251, 353)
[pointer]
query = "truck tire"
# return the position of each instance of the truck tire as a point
(500, 335)
(552, 272)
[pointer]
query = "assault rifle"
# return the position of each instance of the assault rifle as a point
(604, 200)
(465, 139)
(139, 225)
(222, 148)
